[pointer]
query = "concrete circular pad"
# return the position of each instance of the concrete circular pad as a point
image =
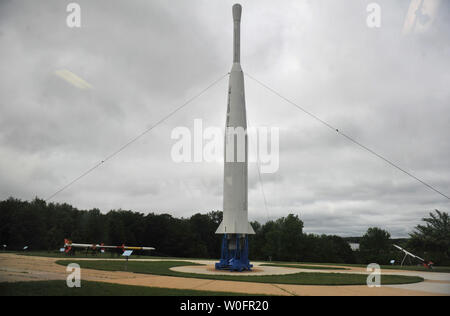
(257, 270)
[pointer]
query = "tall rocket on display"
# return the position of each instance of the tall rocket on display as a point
(235, 226)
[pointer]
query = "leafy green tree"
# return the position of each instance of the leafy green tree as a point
(432, 240)
(335, 249)
(43, 226)
(256, 242)
(203, 228)
(270, 241)
(375, 246)
(290, 236)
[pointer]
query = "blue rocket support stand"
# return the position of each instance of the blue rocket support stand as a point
(234, 259)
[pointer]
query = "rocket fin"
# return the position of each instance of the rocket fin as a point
(246, 230)
(250, 229)
(221, 229)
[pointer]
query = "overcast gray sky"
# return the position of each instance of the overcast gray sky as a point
(387, 89)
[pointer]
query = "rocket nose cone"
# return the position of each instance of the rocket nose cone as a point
(237, 12)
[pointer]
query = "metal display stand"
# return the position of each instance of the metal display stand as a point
(127, 254)
(234, 255)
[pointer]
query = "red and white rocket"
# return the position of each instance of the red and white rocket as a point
(68, 245)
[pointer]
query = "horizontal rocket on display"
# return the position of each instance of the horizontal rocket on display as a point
(68, 245)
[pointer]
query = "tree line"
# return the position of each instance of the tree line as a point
(44, 226)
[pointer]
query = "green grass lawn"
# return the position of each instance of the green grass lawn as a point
(82, 254)
(303, 278)
(441, 269)
(88, 288)
(302, 266)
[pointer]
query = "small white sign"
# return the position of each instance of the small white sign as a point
(62, 249)
(127, 253)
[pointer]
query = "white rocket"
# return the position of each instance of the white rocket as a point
(68, 245)
(235, 193)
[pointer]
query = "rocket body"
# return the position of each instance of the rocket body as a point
(69, 244)
(235, 187)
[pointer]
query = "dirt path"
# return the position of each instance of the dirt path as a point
(15, 268)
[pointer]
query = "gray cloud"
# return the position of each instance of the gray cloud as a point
(144, 58)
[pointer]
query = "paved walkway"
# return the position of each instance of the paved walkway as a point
(15, 268)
